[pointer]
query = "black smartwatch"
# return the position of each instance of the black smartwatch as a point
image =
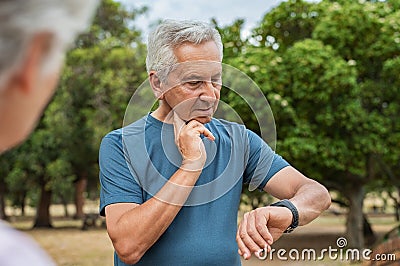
(295, 221)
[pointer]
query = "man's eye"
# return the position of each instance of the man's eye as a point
(193, 83)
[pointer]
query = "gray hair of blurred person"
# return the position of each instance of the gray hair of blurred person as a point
(171, 34)
(21, 20)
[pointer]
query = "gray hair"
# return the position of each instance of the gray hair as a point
(172, 33)
(21, 20)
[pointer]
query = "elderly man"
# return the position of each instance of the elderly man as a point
(34, 35)
(171, 181)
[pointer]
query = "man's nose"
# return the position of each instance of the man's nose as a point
(208, 92)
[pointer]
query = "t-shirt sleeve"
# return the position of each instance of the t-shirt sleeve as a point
(262, 162)
(116, 180)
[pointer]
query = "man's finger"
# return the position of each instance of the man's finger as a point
(261, 221)
(243, 250)
(201, 129)
(253, 227)
(244, 236)
(178, 124)
(207, 133)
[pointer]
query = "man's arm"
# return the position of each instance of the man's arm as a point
(134, 228)
(262, 226)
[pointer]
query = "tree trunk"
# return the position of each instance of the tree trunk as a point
(3, 215)
(369, 235)
(65, 204)
(397, 205)
(22, 203)
(43, 209)
(80, 188)
(355, 221)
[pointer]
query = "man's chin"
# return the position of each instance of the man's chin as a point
(202, 119)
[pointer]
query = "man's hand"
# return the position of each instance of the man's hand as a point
(189, 143)
(260, 228)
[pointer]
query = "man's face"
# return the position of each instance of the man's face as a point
(192, 89)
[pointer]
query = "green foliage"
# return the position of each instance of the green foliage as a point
(97, 82)
(112, 23)
(330, 94)
(231, 37)
(353, 30)
(286, 24)
(330, 73)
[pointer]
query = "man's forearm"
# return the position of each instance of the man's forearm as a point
(310, 197)
(139, 228)
(311, 200)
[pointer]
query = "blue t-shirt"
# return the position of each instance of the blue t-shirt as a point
(136, 161)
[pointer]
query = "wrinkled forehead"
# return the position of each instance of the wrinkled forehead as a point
(198, 70)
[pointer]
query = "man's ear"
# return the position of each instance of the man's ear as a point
(155, 83)
(26, 76)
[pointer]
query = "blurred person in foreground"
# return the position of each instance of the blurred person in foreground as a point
(34, 37)
(161, 176)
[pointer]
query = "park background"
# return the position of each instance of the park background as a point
(329, 69)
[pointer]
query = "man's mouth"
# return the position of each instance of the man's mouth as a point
(207, 110)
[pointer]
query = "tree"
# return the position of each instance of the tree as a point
(390, 162)
(286, 24)
(112, 22)
(98, 76)
(321, 80)
(5, 168)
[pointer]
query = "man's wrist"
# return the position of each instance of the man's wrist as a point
(192, 165)
(295, 214)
